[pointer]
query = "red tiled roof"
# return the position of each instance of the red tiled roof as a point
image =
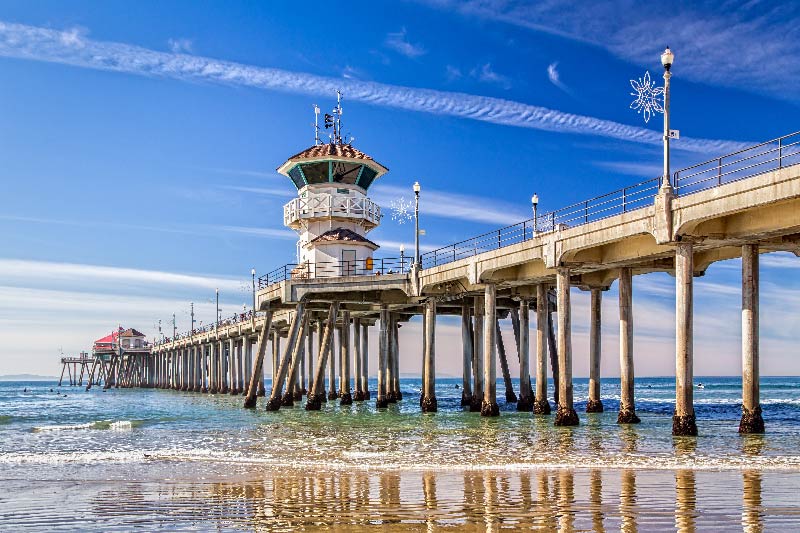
(342, 234)
(331, 150)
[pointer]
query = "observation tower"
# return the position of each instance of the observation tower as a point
(332, 213)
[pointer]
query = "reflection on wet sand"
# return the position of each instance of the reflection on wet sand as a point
(470, 500)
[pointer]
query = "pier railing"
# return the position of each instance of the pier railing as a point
(328, 269)
(767, 156)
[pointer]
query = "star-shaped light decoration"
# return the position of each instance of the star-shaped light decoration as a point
(401, 210)
(649, 98)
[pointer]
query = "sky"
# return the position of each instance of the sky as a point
(139, 142)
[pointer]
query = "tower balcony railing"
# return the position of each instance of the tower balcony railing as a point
(331, 205)
(334, 269)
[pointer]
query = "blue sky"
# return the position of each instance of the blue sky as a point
(138, 143)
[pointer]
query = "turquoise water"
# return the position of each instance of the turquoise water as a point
(187, 460)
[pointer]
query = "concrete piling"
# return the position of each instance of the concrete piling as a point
(565, 415)
(478, 345)
(345, 395)
(489, 405)
(467, 352)
(526, 400)
(627, 409)
(292, 346)
(332, 392)
(396, 392)
(751, 421)
(316, 395)
(429, 403)
(541, 405)
(365, 360)
(261, 349)
(391, 354)
(683, 421)
(358, 394)
(383, 348)
(594, 404)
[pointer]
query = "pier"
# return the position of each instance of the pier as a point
(737, 205)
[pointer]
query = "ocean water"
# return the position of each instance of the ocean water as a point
(162, 460)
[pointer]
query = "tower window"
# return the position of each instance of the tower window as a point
(367, 177)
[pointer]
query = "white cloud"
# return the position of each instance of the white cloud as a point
(41, 44)
(455, 206)
(281, 193)
(702, 34)
(555, 77)
(260, 232)
(180, 46)
(642, 170)
(398, 41)
(24, 271)
(486, 74)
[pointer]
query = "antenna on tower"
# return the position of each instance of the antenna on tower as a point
(338, 129)
(316, 125)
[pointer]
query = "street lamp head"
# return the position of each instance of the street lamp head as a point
(416, 187)
(216, 291)
(252, 271)
(667, 58)
(402, 248)
(535, 199)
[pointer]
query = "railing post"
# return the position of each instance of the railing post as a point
(719, 171)
(454, 252)
(498, 239)
(624, 199)
(780, 153)
(553, 221)
(586, 211)
(524, 230)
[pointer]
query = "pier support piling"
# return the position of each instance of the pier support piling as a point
(478, 391)
(522, 321)
(541, 406)
(365, 360)
(627, 409)
(751, 421)
(383, 348)
(467, 352)
(683, 421)
(261, 350)
(292, 346)
(358, 394)
(595, 404)
(316, 396)
(566, 415)
(332, 393)
(429, 403)
(489, 406)
(396, 392)
(345, 396)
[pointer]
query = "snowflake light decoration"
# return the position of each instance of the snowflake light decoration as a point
(647, 97)
(401, 210)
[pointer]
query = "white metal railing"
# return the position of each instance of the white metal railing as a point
(331, 205)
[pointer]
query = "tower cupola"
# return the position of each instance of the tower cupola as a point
(332, 213)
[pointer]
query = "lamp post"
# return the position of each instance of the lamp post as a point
(253, 275)
(174, 327)
(216, 320)
(667, 58)
(192, 313)
(416, 224)
(535, 205)
(402, 257)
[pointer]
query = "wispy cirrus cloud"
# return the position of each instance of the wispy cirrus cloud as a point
(486, 74)
(454, 206)
(398, 41)
(702, 33)
(555, 77)
(70, 48)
